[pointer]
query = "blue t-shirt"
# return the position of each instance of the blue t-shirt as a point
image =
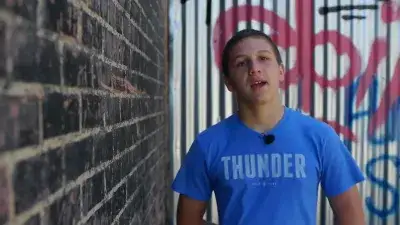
(274, 184)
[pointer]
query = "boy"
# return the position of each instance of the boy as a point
(265, 161)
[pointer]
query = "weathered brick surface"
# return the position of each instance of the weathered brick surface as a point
(83, 116)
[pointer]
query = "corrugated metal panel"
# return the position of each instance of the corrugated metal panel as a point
(342, 58)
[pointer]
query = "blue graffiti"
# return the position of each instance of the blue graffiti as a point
(392, 132)
(384, 184)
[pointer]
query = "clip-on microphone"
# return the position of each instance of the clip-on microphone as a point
(268, 139)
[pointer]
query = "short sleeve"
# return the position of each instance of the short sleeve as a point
(339, 169)
(192, 178)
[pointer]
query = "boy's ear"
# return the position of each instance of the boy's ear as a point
(228, 83)
(281, 72)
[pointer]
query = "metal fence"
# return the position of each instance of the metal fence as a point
(343, 67)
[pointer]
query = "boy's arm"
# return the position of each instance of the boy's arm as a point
(340, 176)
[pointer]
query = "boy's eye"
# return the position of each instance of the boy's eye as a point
(263, 58)
(240, 64)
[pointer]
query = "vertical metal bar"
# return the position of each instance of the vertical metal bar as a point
(325, 109)
(374, 194)
(338, 69)
(386, 137)
(235, 25)
(299, 23)
(209, 86)
(221, 83)
(248, 14)
(183, 84)
(196, 68)
(262, 15)
(167, 104)
(287, 60)
(312, 62)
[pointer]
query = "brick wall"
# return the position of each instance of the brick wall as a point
(83, 118)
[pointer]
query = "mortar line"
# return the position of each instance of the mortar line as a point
(116, 187)
(50, 144)
(22, 89)
(19, 21)
(25, 216)
(133, 195)
(121, 9)
(144, 14)
(86, 9)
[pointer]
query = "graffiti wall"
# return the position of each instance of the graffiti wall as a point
(342, 59)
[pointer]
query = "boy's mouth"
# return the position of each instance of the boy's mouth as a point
(258, 84)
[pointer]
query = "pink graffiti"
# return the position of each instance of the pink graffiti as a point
(392, 90)
(301, 37)
(304, 40)
(390, 12)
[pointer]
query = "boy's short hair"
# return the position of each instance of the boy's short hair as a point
(236, 38)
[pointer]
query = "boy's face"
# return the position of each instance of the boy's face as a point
(254, 72)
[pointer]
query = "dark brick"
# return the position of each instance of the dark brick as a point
(92, 111)
(60, 114)
(28, 124)
(78, 158)
(109, 42)
(103, 148)
(105, 8)
(132, 184)
(126, 55)
(126, 216)
(98, 189)
(103, 215)
(92, 192)
(36, 177)
(113, 175)
(125, 166)
(35, 220)
(3, 28)
(66, 210)
(88, 25)
(111, 14)
(99, 34)
(139, 200)
(134, 132)
(120, 53)
(35, 59)
(126, 109)
(113, 113)
(119, 18)
(118, 200)
(77, 69)
(96, 6)
(127, 29)
(135, 13)
(128, 137)
(54, 164)
(9, 123)
(62, 17)
(26, 9)
(4, 195)
(104, 74)
(135, 102)
(92, 32)
(119, 140)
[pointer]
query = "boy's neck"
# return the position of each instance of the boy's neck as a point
(263, 117)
